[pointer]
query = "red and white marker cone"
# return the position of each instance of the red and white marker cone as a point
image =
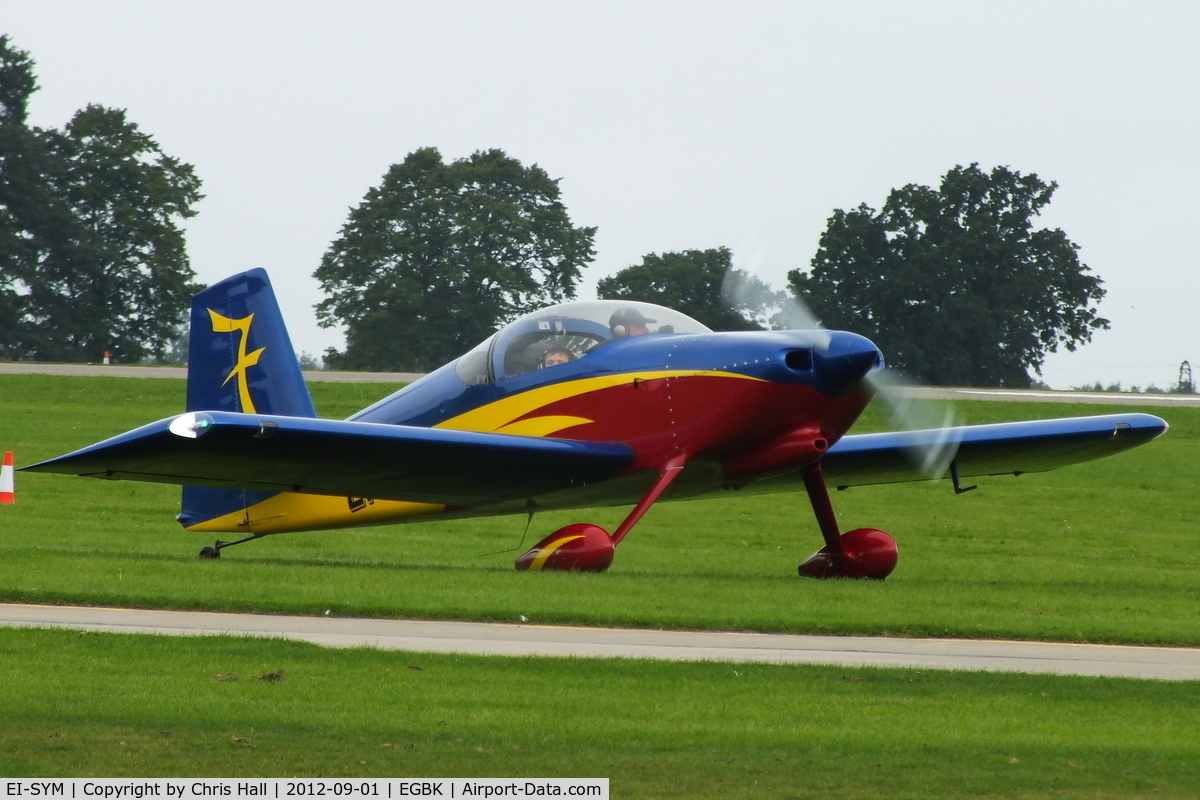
(6, 480)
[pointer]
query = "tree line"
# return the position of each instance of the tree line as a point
(92, 256)
(956, 284)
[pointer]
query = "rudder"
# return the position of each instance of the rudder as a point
(240, 358)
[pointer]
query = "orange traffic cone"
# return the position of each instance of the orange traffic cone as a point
(6, 480)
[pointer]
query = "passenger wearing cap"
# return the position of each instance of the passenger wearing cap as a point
(628, 322)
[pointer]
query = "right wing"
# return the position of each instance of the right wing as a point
(996, 449)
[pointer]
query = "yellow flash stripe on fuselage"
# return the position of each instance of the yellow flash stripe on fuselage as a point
(542, 426)
(549, 550)
(290, 511)
(499, 416)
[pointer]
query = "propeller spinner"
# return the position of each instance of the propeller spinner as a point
(906, 411)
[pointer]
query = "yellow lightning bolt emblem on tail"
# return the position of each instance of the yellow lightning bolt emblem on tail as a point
(245, 360)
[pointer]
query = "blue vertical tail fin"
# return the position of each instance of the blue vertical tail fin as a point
(240, 358)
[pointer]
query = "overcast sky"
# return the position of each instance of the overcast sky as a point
(671, 125)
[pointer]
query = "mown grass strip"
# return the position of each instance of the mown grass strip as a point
(119, 705)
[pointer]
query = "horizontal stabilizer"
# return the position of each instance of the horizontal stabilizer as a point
(996, 449)
(344, 458)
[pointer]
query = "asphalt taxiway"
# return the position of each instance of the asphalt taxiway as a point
(477, 638)
(927, 392)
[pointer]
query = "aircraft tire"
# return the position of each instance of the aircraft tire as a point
(208, 551)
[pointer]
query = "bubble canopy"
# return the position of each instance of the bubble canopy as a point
(555, 335)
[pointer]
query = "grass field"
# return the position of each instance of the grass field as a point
(1101, 552)
(1098, 552)
(149, 706)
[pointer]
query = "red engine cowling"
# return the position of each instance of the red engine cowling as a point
(580, 548)
(870, 553)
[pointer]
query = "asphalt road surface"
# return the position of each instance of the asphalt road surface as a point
(1163, 663)
(127, 371)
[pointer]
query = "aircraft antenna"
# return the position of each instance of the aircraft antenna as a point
(530, 507)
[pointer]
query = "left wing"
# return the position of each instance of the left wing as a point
(342, 458)
(996, 449)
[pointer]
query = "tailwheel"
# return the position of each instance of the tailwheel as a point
(866, 553)
(576, 548)
(214, 550)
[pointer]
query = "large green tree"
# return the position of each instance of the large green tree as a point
(92, 257)
(691, 282)
(438, 255)
(955, 284)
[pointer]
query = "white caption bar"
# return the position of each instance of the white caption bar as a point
(286, 788)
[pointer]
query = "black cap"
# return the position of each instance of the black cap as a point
(627, 317)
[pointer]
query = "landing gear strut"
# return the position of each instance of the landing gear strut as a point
(214, 550)
(861, 553)
(588, 548)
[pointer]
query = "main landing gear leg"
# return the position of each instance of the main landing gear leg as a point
(861, 553)
(584, 547)
(214, 550)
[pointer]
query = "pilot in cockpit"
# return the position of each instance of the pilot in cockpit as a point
(631, 322)
(628, 322)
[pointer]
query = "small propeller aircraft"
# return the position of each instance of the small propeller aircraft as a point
(579, 405)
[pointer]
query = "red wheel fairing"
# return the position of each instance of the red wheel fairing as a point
(870, 553)
(576, 548)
